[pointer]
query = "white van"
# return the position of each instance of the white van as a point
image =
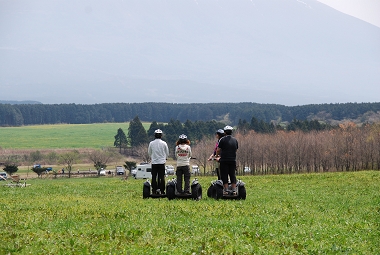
(144, 171)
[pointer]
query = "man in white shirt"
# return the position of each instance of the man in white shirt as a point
(158, 151)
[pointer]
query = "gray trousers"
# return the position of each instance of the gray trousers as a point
(185, 172)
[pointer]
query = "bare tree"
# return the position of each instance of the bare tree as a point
(69, 158)
(142, 152)
(202, 151)
(100, 158)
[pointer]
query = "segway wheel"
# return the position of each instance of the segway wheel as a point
(210, 190)
(217, 192)
(170, 192)
(146, 191)
(196, 192)
(242, 192)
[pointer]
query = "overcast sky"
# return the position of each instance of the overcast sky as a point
(290, 52)
(367, 10)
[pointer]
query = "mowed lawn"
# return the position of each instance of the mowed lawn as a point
(329, 213)
(61, 136)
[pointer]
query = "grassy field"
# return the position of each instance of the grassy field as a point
(61, 136)
(331, 213)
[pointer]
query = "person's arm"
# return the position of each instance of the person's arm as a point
(218, 151)
(150, 150)
(175, 152)
(166, 150)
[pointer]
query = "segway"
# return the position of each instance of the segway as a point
(216, 190)
(172, 193)
(147, 187)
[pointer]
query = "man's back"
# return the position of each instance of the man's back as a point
(228, 146)
(158, 151)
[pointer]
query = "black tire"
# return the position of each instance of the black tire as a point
(209, 190)
(196, 192)
(217, 192)
(242, 192)
(170, 192)
(146, 191)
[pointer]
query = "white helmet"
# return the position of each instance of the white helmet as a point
(228, 128)
(220, 131)
(183, 137)
(158, 131)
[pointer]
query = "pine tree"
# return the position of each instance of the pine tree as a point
(10, 168)
(121, 140)
(153, 126)
(136, 133)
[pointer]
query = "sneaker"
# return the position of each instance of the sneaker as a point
(225, 192)
(234, 193)
(158, 192)
(187, 192)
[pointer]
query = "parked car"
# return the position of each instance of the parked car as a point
(3, 176)
(247, 169)
(195, 169)
(120, 170)
(169, 170)
(40, 166)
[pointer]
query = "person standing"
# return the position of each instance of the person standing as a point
(219, 134)
(183, 155)
(158, 152)
(227, 148)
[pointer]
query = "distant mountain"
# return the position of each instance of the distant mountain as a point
(19, 102)
(286, 52)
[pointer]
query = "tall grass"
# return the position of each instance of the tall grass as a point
(61, 136)
(332, 213)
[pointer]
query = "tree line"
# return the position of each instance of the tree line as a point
(33, 114)
(346, 148)
(260, 126)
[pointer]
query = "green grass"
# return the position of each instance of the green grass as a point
(331, 213)
(61, 136)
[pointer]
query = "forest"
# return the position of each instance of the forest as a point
(229, 113)
(347, 147)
